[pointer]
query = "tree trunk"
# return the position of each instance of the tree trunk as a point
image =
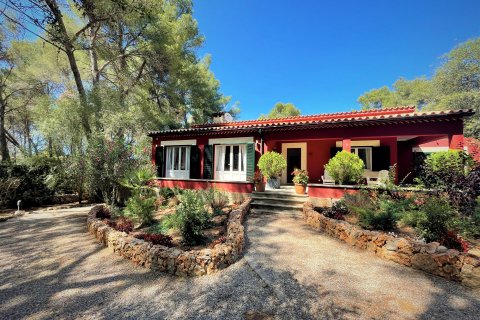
(69, 51)
(4, 155)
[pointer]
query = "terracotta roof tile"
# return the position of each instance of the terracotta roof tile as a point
(398, 113)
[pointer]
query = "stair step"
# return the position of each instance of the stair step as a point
(255, 211)
(274, 206)
(285, 200)
(275, 194)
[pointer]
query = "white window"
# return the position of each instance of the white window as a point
(365, 153)
(231, 162)
(178, 162)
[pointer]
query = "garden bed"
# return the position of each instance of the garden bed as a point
(174, 260)
(429, 257)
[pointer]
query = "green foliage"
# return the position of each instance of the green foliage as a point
(272, 164)
(300, 176)
(108, 163)
(345, 167)
(141, 208)
(437, 216)
(382, 216)
(215, 199)
(282, 110)
(190, 217)
(443, 168)
(25, 183)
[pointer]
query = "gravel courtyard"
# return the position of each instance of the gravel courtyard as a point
(51, 268)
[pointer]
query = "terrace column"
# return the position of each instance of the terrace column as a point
(455, 141)
(347, 145)
(394, 157)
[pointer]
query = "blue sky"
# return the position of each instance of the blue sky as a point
(323, 55)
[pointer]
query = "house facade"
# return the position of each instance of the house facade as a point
(225, 154)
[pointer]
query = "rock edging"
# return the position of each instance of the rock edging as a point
(429, 257)
(171, 260)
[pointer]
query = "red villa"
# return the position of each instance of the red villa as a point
(225, 153)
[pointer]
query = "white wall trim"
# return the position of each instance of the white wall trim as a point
(360, 143)
(301, 145)
(429, 149)
(230, 140)
(191, 142)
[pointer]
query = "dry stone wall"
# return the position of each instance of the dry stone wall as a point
(429, 257)
(171, 260)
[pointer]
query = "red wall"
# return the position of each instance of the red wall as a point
(240, 187)
(329, 192)
(318, 154)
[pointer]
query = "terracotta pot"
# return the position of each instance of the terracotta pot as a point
(260, 186)
(300, 188)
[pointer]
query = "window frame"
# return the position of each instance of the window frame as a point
(219, 162)
(369, 153)
(179, 153)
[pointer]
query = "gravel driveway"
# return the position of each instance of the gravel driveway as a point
(51, 268)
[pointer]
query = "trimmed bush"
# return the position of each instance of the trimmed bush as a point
(345, 167)
(272, 164)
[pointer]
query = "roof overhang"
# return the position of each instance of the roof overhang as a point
(246, 127)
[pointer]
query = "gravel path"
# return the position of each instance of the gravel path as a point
(51, 268)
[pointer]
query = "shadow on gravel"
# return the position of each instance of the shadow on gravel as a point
(310, 299)
(54, 270)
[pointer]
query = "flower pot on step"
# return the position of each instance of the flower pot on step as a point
(260, 186)
(300, 188)
(274, 183)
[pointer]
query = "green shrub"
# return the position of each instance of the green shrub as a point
(190, 217)
(272, 164)
(384, 217)
(215, 199)
(141, 208)
(438, 215)
(166, 193)
(413, 218)
(445, 167)
(345, 167)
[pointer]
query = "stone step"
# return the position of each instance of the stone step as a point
(275, 206)
(277, 194)
(284, 200)
(256, 211)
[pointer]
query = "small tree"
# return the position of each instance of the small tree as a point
(345, 167)
(272, 164)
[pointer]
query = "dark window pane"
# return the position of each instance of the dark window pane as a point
(236, 152)
(362, 153)
(183, 158)
(227, 165)
(241, 158)
(175, 160)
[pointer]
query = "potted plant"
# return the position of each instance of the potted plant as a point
(272, 164)
(258, 182)
(300, 180)
(345, 167)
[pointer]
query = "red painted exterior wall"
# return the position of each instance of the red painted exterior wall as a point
(240, 187)
(329, 192)
(447, 134)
